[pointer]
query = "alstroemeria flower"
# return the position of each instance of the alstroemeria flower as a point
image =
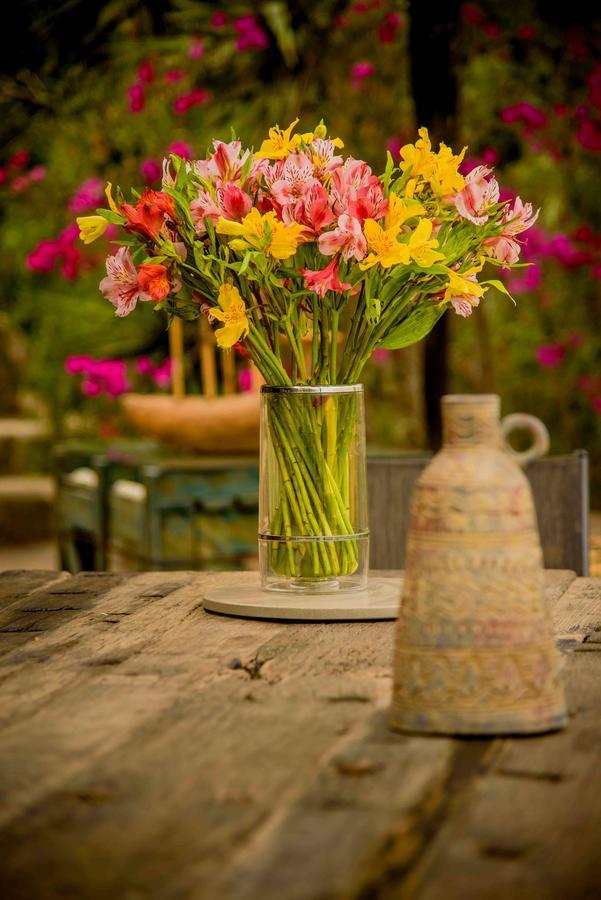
(263, 233)
(232, 312)
(121, 286)
(421, 248)
(279, 144)
(516, 219)
(153, 280)
(386, 249)
(323, 280)
(313, 211)
(401, 210)
(91, 228)
(348, 238)
(293, 178)
(463, 291)
(149, 214)
(478, 195)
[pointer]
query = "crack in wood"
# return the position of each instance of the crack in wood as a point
(551, 777)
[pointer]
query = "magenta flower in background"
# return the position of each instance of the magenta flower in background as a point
(526, 32)
(151, 170)
(245, 381)
(472, 13)
(530, 281)
(181, 148)
(490, 156)
(250, 35)
(531, 117)
(173, 76)
(218, 19)
(42, 258)
(19, 159)
(393, 145)
(549, 356)
(19, 184)
(380, 356)
(588, 134)
(89, 195)
(390, 27)
(145, 72)
(38, 173)
(136, 96)
(162, 374)
(185, 102)
(594, 85)
(196, 48)
(360, 71)
(100, 376)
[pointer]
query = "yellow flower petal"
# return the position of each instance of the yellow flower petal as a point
(109, 196)
(91, 227)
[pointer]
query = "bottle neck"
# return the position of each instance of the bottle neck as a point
(471, 420)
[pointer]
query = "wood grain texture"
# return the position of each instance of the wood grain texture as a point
(149, 749)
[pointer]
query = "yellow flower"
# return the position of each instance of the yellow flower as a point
(399, 210)
(232, 312)
(279, 144)
(421, 247)
(263, 233)
(464, 286)
(418, 158)
(446, 178)
(109, 196)
(91, 228)
(284, 240)
(385, 248)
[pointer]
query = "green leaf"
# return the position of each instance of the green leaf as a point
(416, 326)
(494, 282)
(110, 216)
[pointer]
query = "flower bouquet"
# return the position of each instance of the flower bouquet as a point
(307, 262)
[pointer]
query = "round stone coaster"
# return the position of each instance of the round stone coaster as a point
(379, 601)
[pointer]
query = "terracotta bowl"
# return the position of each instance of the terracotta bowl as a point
(206, 424)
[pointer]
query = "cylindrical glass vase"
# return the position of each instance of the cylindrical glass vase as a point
(313, 532)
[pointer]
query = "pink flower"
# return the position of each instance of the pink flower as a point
(531, 116)
(245, 380)
(313, 210)
(361, 70)
(369, 202)
(196, 48)
(43, 257)
(393, 145)
(588, 134)
(520, 218)
(181, 148)
(526, 32)
(120, 287)
(350, 182)
(324, 280)
(18, 160)
(478, 195)
(162, 374)
(323, 155)
(463, 304)
(196, 97)
(289, 181)
(473, 14)
(151, 170)
(594, 83)
(388, 30)
(19, 184)
(380, 356)
(135, 93)
(490, 156)
(530, 281)
(144, 366)
(233, 201)
(250, 35)
(173, 76)
(347, 237)
(204, 206)
(38, 173)
(89, 195)
(145, 72)
(218, 19)
(549, 356)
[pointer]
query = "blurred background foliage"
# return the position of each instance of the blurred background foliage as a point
(100, 92)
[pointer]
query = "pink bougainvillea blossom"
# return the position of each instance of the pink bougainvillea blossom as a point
(360, 72)
(218, 19)
(588, 134)
(531, 117)
(324, 280)
(136, 97)
(100, 376)
(388, 30)
(185, 102)
(250, 35)
(172, 76)
(526, 283)
(196, 48)
(145, 72)
(181, 148)
(151, 170)
(89, 195)
(18, 160)
(245, 381)
(549, 356)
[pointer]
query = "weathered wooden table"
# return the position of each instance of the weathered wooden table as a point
(149, 749)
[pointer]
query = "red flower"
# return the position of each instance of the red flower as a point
(153, 280)
(149, 214)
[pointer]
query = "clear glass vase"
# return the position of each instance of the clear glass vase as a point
(313, 532)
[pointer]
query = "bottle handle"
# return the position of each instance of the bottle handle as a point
(538, 430)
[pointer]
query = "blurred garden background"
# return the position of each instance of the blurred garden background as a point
(101, 92)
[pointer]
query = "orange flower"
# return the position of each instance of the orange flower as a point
(149, 214)
(153, 280)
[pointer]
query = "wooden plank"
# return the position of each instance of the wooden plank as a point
(15, 584)
(578, 612)
(530, 829)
